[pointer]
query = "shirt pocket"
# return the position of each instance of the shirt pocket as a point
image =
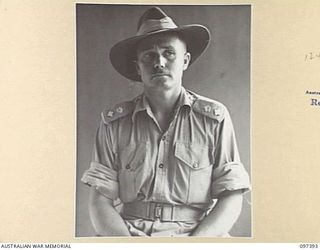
(132, 171)
(194, 172)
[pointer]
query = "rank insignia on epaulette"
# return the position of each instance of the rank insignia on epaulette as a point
(119, 110)
(217, 112)
(207, 108)
(110, 113)
(210, 108)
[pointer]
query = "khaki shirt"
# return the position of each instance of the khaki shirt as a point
(191, 163)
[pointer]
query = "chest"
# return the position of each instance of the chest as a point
(190, 128)
(168, 163)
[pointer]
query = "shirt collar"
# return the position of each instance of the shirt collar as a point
(141, 103)
(185, 99)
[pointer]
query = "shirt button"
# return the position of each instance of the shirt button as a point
(164, 138)
(128, 166)
(160, 165)
(195, 164)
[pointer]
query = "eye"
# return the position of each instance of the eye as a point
(169, 53)
(147, 57)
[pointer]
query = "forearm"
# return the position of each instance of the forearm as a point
(105, 219)
(222, 217)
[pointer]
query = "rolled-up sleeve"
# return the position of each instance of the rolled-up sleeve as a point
(102, 173)
(229, 173)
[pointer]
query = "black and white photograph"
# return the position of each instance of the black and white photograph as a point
(159, 122)
(163, 129)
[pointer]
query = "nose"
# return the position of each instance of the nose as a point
(159, 62)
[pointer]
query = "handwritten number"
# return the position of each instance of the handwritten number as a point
(311, 56)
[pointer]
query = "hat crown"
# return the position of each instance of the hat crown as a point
(154, 13)
(153, 20)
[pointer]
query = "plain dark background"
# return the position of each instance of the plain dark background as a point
(221, 73)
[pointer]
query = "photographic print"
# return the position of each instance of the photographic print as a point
(163, 120)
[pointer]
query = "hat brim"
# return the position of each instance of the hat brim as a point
(123, 54)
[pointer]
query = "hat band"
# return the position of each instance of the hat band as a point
(154, 25)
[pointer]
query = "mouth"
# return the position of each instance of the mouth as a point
(159, 75)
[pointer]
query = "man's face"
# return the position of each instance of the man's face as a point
(161, 60)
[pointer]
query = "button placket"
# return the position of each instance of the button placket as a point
(160, 180)
(160, 170)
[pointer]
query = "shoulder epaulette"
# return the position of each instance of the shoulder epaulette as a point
(209, 108)
(119, 110)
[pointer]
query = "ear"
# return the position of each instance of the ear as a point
(137, 67)
(186, 60)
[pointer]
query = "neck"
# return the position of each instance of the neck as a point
(164, 101)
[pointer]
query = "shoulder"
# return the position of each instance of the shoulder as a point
(118, 111)
(208, 107)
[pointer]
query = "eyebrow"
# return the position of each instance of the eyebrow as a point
(149, 47)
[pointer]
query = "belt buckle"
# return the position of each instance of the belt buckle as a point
(158, 211)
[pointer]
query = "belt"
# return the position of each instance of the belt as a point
(162, 211)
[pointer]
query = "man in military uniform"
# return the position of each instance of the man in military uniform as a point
(168, 154)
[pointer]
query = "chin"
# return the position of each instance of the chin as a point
(160, 81)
